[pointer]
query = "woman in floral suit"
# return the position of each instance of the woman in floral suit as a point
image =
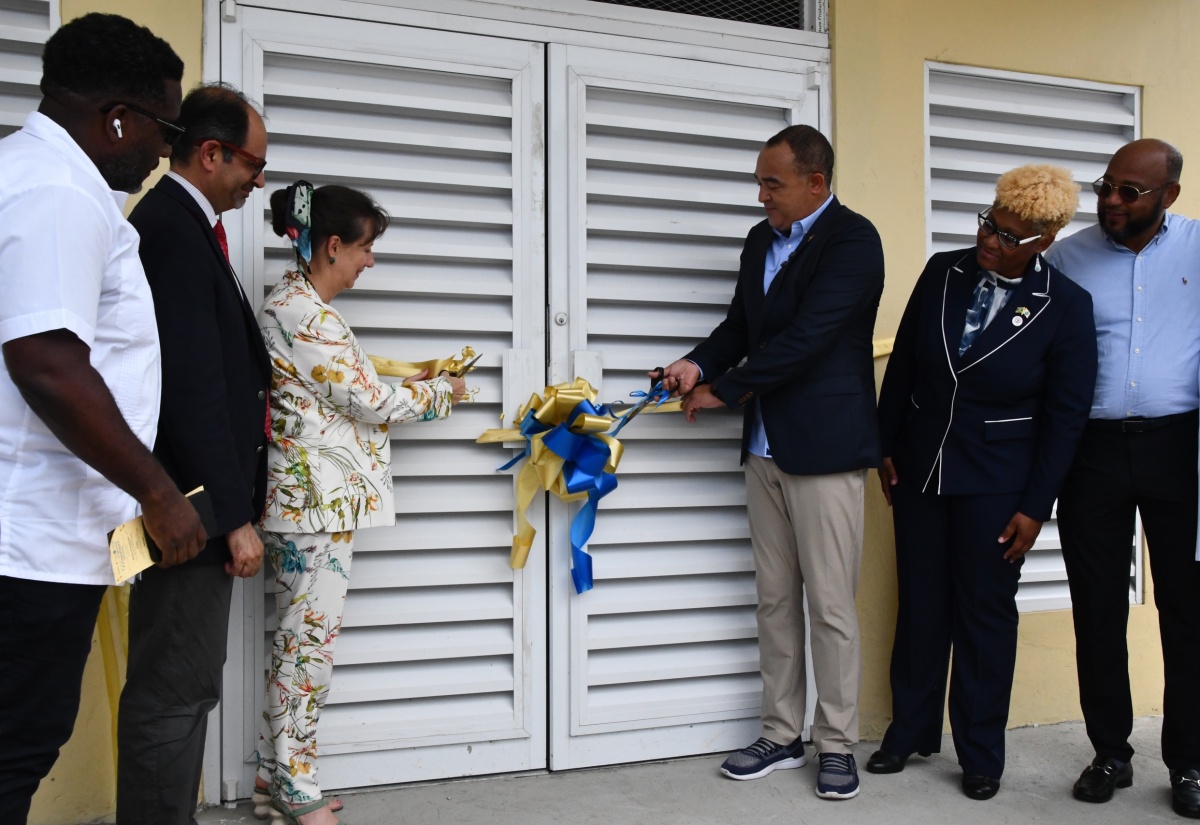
(328, 469)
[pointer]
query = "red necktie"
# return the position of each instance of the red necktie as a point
(219, 229)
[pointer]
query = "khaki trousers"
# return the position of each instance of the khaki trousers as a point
(807, 533)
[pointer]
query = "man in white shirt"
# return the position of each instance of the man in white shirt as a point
(79, 387)
(211, 433)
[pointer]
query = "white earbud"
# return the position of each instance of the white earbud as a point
(117, 126)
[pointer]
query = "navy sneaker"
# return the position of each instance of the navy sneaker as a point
(763, 757)
(838, 778)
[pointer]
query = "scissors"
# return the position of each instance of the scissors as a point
(647, 399)
(467, 367)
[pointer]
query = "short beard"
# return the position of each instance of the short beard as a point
(123, 173)
(1133, 228)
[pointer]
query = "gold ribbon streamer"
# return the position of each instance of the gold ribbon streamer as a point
(404, 369)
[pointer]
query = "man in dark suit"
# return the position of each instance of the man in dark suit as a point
(211, 433)
(802, 317)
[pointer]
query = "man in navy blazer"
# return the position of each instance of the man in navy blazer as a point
(211, 432)
(794, 353)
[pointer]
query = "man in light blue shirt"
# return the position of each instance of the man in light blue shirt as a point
(1142, 268)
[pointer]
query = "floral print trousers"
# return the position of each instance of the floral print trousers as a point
(312, 572)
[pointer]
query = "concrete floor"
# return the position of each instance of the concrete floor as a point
(1043, 762)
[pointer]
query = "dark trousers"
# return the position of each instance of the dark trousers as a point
(178, 623)
(957, 591)
(1114, 474)
(48, 634)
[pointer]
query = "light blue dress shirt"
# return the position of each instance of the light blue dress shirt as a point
(1147, 308)
(778, 253)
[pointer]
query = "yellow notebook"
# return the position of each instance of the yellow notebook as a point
(131, 548)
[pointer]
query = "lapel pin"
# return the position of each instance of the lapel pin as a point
(1018, 320)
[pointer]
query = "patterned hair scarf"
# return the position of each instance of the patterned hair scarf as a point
(299, 220)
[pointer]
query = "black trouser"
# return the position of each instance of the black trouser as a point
(1114, 474)
(955, 589)
(48, 635)
(178, 623)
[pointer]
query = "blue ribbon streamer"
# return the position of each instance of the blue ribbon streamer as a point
(584, 458)
(303, 245)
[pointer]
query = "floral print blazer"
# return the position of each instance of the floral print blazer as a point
(329, 465)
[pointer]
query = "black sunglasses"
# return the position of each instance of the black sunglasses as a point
(171, 132)
(1126, 192)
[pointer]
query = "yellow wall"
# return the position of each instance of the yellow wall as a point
(81, 788)
(879, 50)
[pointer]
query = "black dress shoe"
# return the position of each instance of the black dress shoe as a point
(881, 762)
(1099, 779)
(1185, 793)
(979, 787)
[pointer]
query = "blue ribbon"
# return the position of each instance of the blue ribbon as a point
(303, 245)
(530, 427)
(657, 396)
(585, 457)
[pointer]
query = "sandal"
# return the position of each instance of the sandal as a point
(262, 803)
(261, 798)
(292, 815)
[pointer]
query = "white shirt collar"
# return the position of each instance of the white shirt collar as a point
(43, 128)
(1004, 283)
(196, 194)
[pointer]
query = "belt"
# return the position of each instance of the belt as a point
(1141, 425)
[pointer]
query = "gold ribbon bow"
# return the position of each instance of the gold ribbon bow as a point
(544, 468)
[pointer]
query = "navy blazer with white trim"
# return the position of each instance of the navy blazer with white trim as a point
(1008, 415)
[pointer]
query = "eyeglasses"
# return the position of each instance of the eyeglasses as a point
(171, 132)
(1009, 241)
(256, 163)
(1126, 192)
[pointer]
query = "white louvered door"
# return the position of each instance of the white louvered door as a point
(25, 25)
(651, 195)
(441, 662)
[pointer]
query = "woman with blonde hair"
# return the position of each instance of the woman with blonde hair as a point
(329, 470)
(983, 404)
